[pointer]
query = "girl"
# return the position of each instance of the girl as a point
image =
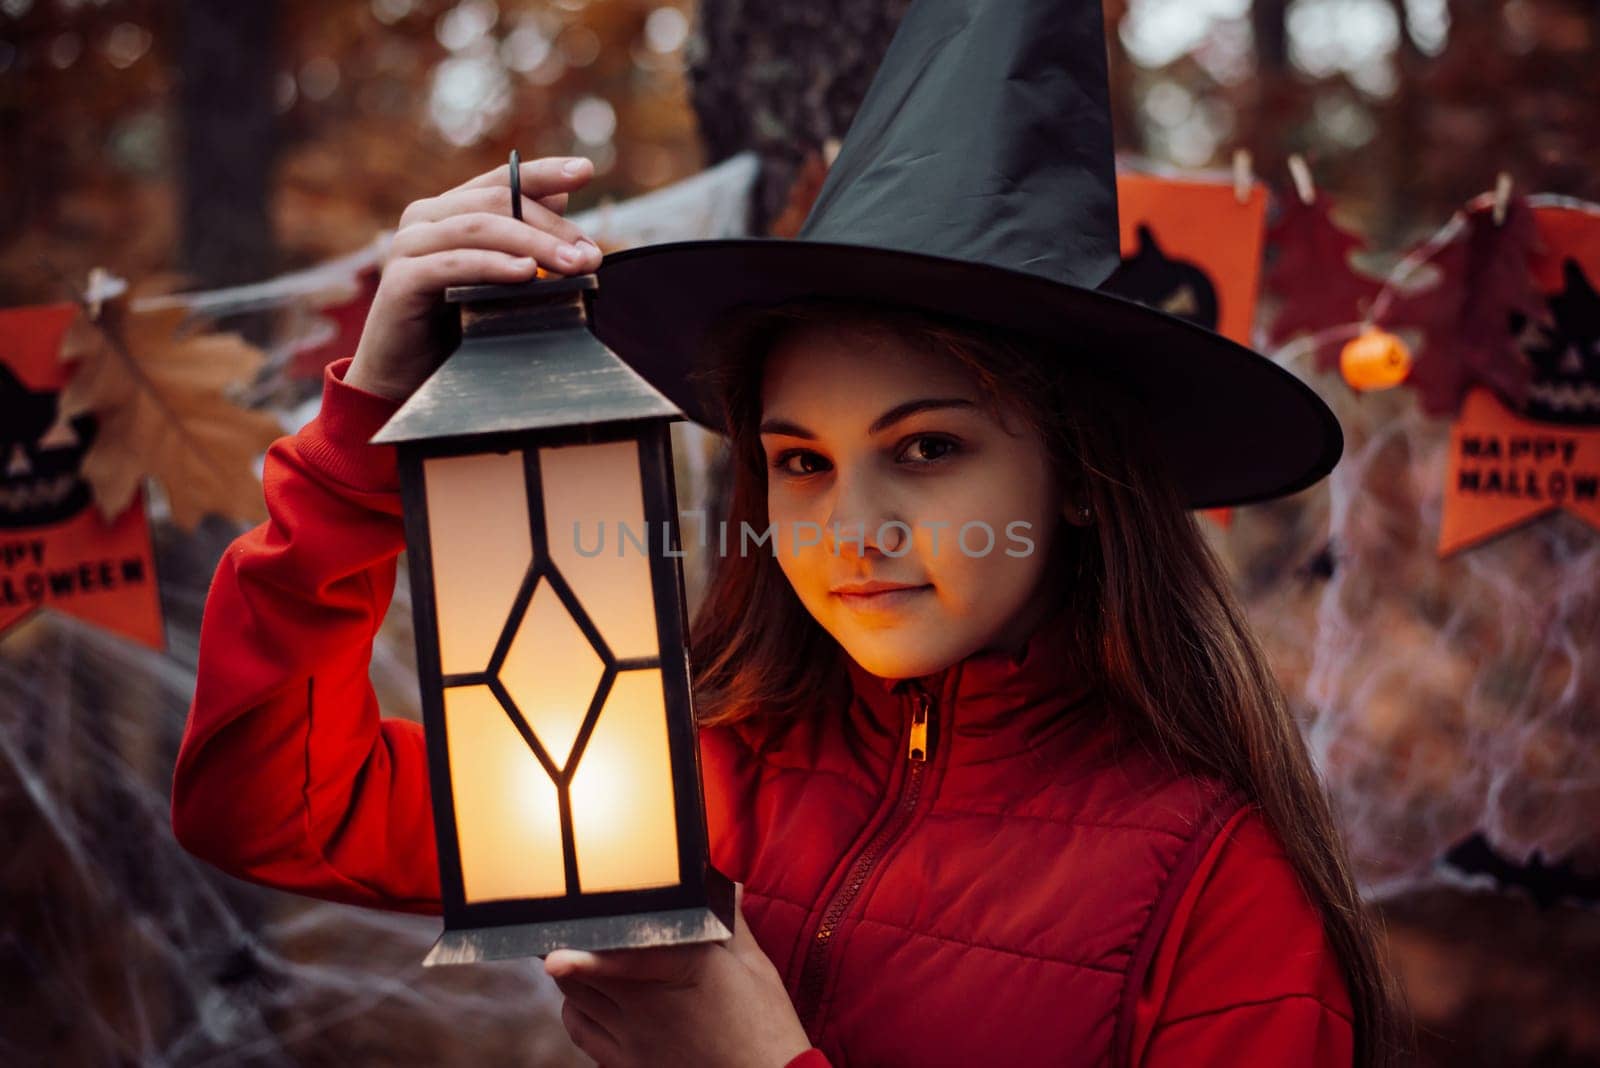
(993, 756)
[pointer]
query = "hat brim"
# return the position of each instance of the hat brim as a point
(1234, 426)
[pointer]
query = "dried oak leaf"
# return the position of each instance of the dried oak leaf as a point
(155, 384)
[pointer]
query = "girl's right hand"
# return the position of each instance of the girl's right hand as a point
(465, 236)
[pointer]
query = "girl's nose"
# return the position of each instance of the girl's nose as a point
(860, 522)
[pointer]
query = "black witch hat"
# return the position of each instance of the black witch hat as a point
(977, 182)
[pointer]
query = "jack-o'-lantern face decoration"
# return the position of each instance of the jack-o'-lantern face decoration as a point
(40, 457)
(1563, 353)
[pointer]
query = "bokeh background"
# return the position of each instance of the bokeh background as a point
(230, 141)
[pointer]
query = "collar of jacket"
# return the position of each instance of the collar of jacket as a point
(988, 705)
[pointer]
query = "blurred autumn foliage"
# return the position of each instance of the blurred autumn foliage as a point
(1405, 108)
(375, 105)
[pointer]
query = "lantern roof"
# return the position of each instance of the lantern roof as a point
(526, 381)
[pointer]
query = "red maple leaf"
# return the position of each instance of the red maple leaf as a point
(1309, 269)
(1467, 320)
(347, 318)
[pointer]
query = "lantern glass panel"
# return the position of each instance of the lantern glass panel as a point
(551, 673)
(623, 816)
(524, 648)
(592, 494)
(481, 547)
(507, 813)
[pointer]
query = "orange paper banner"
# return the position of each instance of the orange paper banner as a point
(1508, 467)
(55, 549)
(1505, 470)
(1192, 249)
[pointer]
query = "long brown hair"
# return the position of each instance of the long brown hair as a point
(1147, 598)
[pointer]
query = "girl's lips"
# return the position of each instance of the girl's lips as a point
(883, 599)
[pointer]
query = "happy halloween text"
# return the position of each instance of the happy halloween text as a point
(1519, 466)
(26, 580)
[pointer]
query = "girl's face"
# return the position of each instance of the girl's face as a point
(884, 467)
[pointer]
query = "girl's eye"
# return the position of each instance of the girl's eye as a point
(924, 450)
(933, 449)
(780, 462)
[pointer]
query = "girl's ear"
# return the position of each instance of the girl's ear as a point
(1079, 515)
(1075, 503)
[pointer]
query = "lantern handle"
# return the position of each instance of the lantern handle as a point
(516, 185)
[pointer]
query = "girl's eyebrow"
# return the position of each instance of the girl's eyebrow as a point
(883, 422)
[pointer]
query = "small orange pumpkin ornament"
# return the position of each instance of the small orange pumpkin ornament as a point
(1375, 360)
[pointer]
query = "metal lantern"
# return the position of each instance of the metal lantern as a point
(541, 527)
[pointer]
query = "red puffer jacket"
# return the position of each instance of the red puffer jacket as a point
(1024, 891)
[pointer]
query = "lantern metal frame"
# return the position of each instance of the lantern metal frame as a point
(700, 906)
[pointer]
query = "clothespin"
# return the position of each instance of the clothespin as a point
(1243, 177)
(101, 287)
(1301, 174)
(1502, 196)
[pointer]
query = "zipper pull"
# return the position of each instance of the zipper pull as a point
(919, 728)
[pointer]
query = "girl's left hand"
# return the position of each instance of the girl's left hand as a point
(711, 1005)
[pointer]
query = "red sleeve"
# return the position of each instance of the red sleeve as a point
(1244, 974)
(288, 775)
(811, 1058)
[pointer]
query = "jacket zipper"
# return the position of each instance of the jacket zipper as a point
(813, 975)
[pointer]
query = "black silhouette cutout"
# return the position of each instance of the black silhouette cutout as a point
(1177, 287)
(1563, 353)
(39, 460)
(1546, 883)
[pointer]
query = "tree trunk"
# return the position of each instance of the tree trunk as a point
(226, 58)
(1276, 102)
(781, 77)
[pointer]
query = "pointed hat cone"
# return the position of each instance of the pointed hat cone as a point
(986, 135)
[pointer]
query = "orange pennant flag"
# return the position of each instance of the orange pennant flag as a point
(56, 550)
(1192, 249)
(1509, 466)
(1505, 470)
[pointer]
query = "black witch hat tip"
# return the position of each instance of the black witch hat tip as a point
(986, 135)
